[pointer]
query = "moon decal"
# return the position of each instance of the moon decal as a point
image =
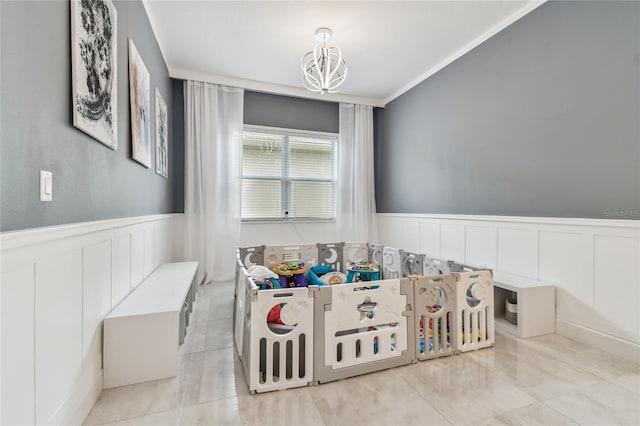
(334, 256)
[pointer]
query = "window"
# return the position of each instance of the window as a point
(288, 174)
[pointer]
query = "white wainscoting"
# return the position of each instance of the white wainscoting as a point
(57, 284)
(593, 262)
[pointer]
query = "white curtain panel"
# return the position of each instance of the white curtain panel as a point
(356, 210)
(213, 177)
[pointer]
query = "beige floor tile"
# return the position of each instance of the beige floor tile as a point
(601, 404)
(221, 310)
(534, 414)
(591, 360)
(551, 362)
(630, 382)
(220, 376)
(165, 418)
(382, 398)
(131, 401)
(528, 377)
(190, 379)
(462, 390)
(196, 337)
(219, 334)
(293, 407)
(201, 308)
(223, 412)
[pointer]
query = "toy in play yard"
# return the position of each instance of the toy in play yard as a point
(263, 277)
(479, 336)
(364, 271)
(324, 275)
(366, 309)
(290, 274)
(333, 278)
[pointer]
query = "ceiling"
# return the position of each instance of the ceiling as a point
(389, 46)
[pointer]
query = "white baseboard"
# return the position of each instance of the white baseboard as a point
(605, 342)
(79, 403)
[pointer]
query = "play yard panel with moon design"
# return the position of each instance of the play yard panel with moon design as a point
(274, 335)
(475, 310)
(435, 316)
(362, 327)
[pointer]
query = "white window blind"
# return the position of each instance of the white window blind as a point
(288, 175)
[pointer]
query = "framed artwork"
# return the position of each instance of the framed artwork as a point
(139, 90)
(94, 83)
(162, 136)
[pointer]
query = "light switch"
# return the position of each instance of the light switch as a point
(46, 185)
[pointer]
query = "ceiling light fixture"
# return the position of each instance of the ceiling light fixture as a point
(323, 67)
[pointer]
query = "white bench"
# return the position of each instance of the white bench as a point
(143, 333)
(536, 305)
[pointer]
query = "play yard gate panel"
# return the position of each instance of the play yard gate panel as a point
(475, 306)
(435, 316)
(362, 327)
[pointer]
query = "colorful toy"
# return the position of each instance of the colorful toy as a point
(362, 271)
(290, 274)
(263, 277)
(366, 309)
(325, 275)
(465, 334)
(269, 284)
(429, 331)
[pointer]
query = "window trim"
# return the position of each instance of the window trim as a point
(285, 180)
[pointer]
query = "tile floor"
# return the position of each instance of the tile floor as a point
(546, 380)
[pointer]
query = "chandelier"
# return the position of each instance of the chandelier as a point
(323, 67)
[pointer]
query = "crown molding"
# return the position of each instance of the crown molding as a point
(279, 89)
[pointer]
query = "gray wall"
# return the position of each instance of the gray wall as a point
(177, 89)
(540, 120)
(90, 181)
(288, 112)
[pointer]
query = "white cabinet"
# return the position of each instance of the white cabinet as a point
(143, 333)
(536, 305)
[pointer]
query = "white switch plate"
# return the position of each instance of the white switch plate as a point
(46, 185)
